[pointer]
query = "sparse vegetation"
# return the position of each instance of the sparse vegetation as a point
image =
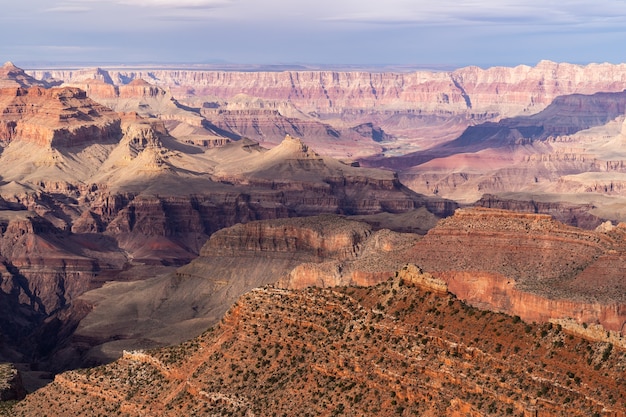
(332, 352)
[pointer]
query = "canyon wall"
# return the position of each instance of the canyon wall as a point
(529, 265)
(47, 117)
(500, 90)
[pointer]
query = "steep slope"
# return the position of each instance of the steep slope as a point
(532, 266)
(321, 250)
(403, 347)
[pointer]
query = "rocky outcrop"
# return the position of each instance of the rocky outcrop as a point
(374, 261)
(57, 117)
(11, 386)
(387, 350)
(307, 238)
(414, 275)
(529, 265)
(569, 213)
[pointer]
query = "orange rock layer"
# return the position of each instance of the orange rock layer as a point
(55, 117)
(529, 265)
(395, 349)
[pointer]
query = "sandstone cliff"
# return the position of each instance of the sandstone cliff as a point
(529, 265)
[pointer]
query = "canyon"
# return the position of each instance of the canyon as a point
(551, 132)
(558, 350)
(90, 194)
(140, 207)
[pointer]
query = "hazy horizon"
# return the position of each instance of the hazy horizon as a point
(446, 34)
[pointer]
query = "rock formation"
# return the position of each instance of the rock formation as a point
(90, 195)
(393, 349)
(529, 265)
(14, 77)
(47, 117)
(323, 250)
(11, 386)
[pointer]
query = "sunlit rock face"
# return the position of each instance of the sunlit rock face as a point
(529, 265)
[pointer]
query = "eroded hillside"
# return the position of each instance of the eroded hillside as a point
(403, 347)
(89, 195)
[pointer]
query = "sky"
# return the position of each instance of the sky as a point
(426, 33)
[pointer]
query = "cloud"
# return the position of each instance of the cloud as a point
(176, 4)
(369, 12)
(74, 49)
(503, 12)
(68, 8)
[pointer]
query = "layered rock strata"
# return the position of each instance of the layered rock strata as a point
(515, 90)
(47, 117)
(392, 349)
(408, 111)
(529, 265)
(322, 250)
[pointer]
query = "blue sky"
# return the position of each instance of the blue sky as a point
(332, 32)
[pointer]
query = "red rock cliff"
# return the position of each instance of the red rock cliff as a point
(529, 265)
(55, 117)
